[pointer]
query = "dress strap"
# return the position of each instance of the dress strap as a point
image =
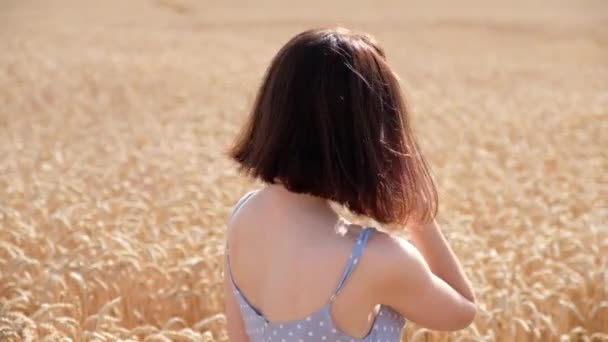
(355, 255)
(236, 208)
(241, 202)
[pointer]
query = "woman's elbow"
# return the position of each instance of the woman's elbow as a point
(457, 320)
(465, 318)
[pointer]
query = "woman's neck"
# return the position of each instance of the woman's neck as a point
(301, 199)
(313, 204)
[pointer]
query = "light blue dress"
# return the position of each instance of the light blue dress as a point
(319, 325)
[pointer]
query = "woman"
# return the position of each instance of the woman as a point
(330, 125)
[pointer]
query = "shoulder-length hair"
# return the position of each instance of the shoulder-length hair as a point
(330, 120)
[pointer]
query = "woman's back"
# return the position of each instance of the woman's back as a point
(288, 249)
(330, 125)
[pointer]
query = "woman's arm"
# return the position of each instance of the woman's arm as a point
(441, 259)
(425, 284)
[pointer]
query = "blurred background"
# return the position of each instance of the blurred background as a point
(114, 186)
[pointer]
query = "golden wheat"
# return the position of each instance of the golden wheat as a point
(114, 189)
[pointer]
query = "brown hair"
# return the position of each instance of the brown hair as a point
(330, 120)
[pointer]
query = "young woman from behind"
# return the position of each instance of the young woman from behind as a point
(330, 124)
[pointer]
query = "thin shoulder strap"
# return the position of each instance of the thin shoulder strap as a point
(236, 208)
(353, 259)
(241, 202)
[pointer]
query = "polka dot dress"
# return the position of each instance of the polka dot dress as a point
(319, 326)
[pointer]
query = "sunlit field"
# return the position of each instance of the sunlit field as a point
(115, 189)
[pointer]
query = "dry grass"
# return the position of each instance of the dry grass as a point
(114, 190)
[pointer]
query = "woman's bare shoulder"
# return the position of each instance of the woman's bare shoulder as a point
(392, 256)
(384, 245)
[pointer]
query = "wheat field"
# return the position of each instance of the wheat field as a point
(114, 186)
